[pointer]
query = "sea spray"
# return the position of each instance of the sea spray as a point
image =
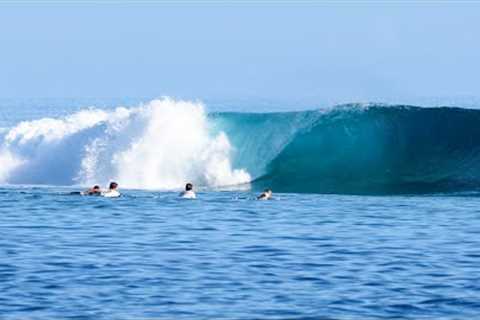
(175, 146)
(160, 145)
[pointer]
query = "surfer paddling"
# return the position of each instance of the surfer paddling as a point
(112, 191)
(94, 191)
(188, 193)
(265, 195)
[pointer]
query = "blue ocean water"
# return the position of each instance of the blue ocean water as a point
(151, 255)
(375, 212)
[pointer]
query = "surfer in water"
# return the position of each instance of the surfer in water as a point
(95, 191)
(188, 193)
(265, 195)
(112, 191)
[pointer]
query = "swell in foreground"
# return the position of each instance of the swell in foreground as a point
(358, 149)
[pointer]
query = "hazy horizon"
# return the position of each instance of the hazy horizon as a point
(286, 54)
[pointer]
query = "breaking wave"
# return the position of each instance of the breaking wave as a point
(359, 149)
(160, 145)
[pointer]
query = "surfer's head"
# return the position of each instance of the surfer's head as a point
(188, 187)
(96, 188)
(113, 185)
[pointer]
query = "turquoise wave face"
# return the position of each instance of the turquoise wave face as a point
(359, 150)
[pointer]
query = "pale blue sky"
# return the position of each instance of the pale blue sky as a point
(286, 53)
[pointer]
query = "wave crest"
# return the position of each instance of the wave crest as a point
(373, 149)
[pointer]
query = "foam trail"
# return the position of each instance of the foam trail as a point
(160, 145)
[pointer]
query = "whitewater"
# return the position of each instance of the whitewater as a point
(161, 145)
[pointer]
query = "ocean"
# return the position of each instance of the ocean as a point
(375, 212)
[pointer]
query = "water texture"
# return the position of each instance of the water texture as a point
(151, 255)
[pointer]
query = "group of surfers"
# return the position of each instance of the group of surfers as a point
(111, 192)
(188, 193)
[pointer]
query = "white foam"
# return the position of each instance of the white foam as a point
(8, 163)
(160, 145)
(49, 129)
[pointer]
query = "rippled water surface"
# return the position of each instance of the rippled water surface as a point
(150, 255)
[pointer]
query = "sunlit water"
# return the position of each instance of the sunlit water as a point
(151, 255)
